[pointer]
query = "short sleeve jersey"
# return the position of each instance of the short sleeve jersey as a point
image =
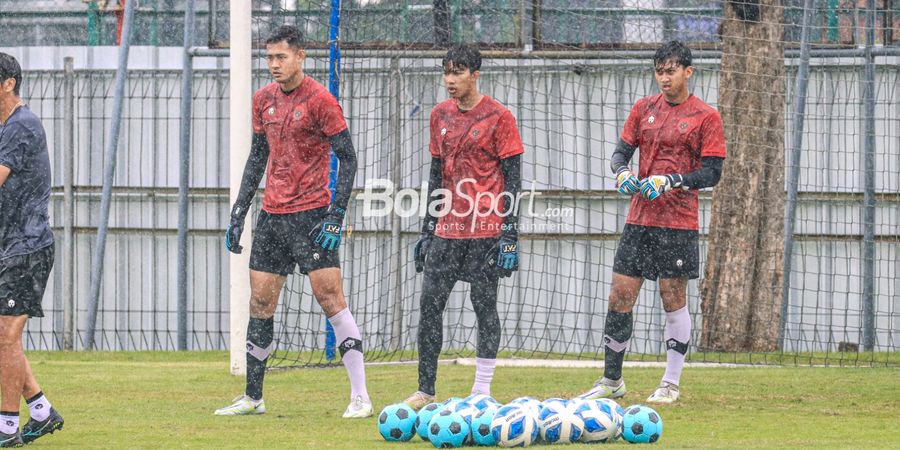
(298, 126)
(672, 139)
(471, 145)
(24, 197)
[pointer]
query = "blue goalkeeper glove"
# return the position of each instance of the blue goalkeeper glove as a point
(327, 233)
(234, 231)
(656, 185)
(504, 257)
(627, 182)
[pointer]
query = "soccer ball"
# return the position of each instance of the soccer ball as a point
(641, 424)
(452, 401)
(424, 418)
(555, 401)
(531, 404)
(481, 428)
(559, 425)
(514, 426)
(397, 422)
(482, 401)
(467, 412)
(617, 414)
(447, 430)
(599, 425)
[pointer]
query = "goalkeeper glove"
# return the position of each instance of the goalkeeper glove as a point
(626, 182)
(505, 255)
(420, 252)
(656, 185)
(327, 233)
(234, 230)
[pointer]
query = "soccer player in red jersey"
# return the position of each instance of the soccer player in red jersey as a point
(682, 146)
(295, 122)
(476, 175)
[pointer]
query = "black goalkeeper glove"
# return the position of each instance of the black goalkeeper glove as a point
(235, 229)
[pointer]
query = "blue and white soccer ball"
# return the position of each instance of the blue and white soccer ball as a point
(452, 401)
(424, 418)
(599, 425)
(514, 426)
(482, 401)
(618, 413)
(447, 429)
(397, 422)
(641, 424)
(481, 428)
(559, 424)
(555, 401)
(531, 404)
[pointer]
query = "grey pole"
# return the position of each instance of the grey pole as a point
(396, 177)
(109, 172)
(801, 84)
(187, 84)
(868, 219)
(68, 205)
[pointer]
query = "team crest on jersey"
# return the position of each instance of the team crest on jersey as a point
(443, 131)
(475, 133)
(651, 119)
(683, 125)
(271, 110)
(297, 115)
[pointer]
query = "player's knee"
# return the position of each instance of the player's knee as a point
(261, 307)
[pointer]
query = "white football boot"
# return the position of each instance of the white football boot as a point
(358, 409)
(242, 405)
(665, 394)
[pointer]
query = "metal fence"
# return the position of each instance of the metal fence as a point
(569, 114)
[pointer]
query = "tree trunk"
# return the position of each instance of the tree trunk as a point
(742, 287)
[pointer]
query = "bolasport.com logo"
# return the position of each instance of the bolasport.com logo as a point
(380, 198)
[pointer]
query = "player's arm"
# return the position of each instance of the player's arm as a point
(429, 223)
(707, 175)
(627, 182)
(253, 173)
(4, 174)
(327, 233)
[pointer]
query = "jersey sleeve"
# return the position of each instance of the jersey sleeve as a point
(434, 143)
(507, 141)
(329, 114)
(13, 145)
(631, 133)
(257, 115)
(712, 136)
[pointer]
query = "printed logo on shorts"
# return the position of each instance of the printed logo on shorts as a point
(11, 303)
(316, 256)
(679, 263)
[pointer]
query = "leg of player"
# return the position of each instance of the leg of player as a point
(44, 418)
(435, 291)
(12, 378)
(678, 335)
(484, 302)
(622, 297)
(329, 292)
(264, 291)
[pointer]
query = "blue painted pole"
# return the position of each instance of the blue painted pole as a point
(334, 86)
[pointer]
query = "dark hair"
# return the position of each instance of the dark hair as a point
(288, 33)
(673, 51)
(462, 55)
(9, 68)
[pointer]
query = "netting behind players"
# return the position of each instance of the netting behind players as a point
(570, 106)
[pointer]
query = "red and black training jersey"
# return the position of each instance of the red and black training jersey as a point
(672, 139)
(298, 126)
(471, 145)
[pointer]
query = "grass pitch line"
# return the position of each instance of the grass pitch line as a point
(568, 364)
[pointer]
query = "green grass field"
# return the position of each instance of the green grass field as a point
(165, 400)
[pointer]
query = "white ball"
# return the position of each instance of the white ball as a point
(559, 424)
(599, 425)
(514, 426)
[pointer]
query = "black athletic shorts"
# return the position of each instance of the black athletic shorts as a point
(653, 253)
(23, 279)
(462, 259)
(282, 241)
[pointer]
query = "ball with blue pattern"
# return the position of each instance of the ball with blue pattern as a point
(641, 424)
(397, 423)
(447, 429)
(599, 425)
(482, 401)
(618, 413)
(514, 426)
(559, 424)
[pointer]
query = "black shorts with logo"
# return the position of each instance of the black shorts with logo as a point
(23, 279)
(462, 259)
(282, 241)
(653, 252)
